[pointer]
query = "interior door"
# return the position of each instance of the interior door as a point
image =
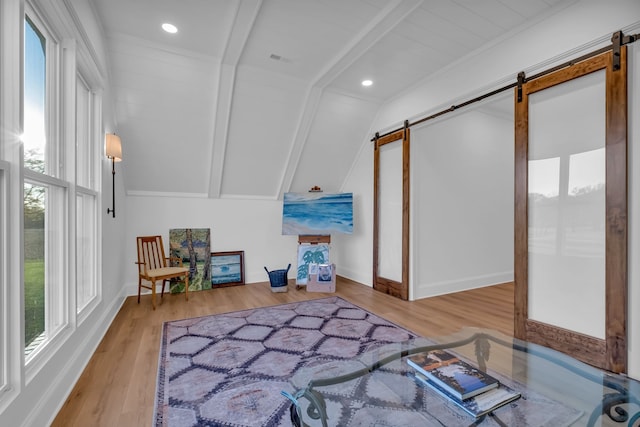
(391, 214)
(571, 211)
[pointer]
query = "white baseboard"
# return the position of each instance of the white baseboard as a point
(356, 276)
(426, 290)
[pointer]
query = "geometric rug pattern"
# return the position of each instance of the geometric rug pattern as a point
(230, 369)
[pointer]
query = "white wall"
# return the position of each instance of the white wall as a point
(579, 28)
(353, 253)
(251, 225)
(462, 201)
(113, 234)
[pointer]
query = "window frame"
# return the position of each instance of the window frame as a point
(57, 319)
(4, 276)
(84, 308)
(69, 62)
(87, 157)
(56, 272)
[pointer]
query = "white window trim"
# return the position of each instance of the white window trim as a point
(4, 278)
(57, 312)
(94, 123)
(56, 319)
(84, 311)
(11, 53)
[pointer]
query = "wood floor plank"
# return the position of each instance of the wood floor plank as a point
(118, 385)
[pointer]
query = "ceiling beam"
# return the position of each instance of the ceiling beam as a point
(242, 24)
(385, 21)
(312, 100)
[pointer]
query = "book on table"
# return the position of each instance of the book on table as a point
(457, 377)
(479, 404)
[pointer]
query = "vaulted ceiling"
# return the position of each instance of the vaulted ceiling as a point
(254, 98)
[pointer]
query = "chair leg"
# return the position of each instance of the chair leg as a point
(153, 294)
(139, 288)
(164, 282)
(186, 287)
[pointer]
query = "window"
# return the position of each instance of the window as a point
(86, 230)
(87, 131)
(34, 139)
(34, 264)
(45, 196)
(35, 79)
(85, 150)
(61, 139)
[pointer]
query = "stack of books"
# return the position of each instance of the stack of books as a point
(456, 380)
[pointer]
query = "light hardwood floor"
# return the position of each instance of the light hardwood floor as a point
(117, 388)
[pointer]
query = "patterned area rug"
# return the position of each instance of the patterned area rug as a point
(230, 370)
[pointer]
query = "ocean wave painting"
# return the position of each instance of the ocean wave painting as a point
(227, 268)
(317, 213)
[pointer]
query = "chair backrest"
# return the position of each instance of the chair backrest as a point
(150, 253)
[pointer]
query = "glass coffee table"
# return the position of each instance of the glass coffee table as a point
(379, 387)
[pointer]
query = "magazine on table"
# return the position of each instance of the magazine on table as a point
(457, 377)
(477, 405)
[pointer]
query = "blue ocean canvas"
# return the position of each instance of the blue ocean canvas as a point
(226, 268)
(317, 213)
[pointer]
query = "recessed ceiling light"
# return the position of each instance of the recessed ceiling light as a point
(169, 28)
(366, 83)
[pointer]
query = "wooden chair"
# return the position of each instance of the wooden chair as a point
(154, 266)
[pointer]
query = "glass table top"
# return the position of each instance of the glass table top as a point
(379, 387)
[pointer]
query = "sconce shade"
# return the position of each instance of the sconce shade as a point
(113, 147)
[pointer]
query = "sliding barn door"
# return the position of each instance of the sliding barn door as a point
(391, 214)
(571, 211)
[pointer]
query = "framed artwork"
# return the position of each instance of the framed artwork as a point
(325, 273)
(309, 256)
(193, 247)
(227, 268)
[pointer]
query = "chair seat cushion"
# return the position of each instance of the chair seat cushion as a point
(167, 271)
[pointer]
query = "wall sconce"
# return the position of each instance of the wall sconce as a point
(113, 149)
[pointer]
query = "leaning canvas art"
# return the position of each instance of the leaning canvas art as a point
(309, 255)
(317, 213)
(227, 268)
(193, 247)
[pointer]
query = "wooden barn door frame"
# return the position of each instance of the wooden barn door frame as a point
(609, 353)
(385, 285)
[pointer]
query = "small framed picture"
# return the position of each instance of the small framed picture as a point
(227, 268)
(323, 280)
(325, 273)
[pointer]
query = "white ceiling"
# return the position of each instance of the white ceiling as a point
(209, 112)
